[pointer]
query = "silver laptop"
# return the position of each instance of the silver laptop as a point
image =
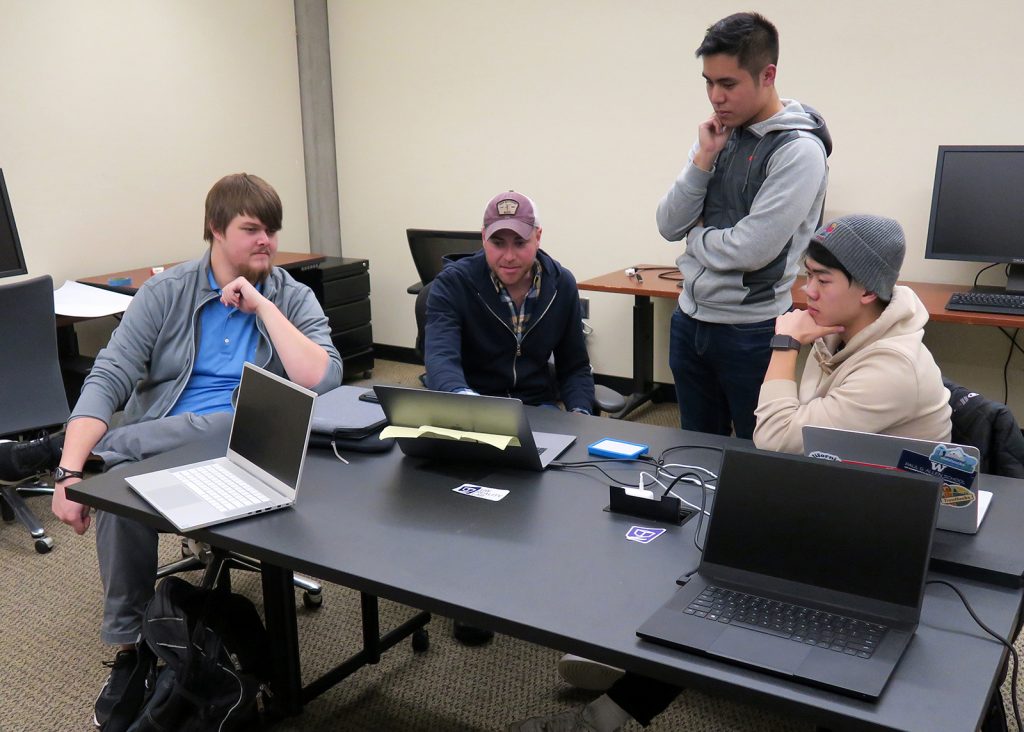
(962, 508)
(811, 570)
(469, 413)
(263, 465)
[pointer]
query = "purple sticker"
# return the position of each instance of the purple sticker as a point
(643, 535)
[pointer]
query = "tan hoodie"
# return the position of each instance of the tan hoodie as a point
(884, 381)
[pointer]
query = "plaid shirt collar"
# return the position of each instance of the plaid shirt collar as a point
(520, 317)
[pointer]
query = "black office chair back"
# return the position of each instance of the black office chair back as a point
(31, 388)
(429, 247)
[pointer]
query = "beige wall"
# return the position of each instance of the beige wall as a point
(117, 116)
(590, 108)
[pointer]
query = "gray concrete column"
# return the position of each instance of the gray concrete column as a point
(317, 101)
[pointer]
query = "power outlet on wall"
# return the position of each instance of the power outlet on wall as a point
(584, 308)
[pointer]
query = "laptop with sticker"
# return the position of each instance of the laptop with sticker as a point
(811, 570)
(964, 503)
(262, 467)
(455, 427)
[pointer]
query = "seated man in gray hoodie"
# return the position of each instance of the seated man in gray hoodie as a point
(173, 364)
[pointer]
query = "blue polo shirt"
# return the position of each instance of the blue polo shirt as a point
(227, 339)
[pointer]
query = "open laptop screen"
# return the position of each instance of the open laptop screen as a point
(271, 425)
(774, 513)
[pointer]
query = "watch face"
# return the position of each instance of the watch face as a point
(784, 343)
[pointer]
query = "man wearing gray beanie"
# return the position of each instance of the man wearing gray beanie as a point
(868, 369)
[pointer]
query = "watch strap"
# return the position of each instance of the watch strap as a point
(62, 473)
(780, 342)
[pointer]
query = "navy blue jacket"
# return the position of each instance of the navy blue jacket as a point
(470, 342)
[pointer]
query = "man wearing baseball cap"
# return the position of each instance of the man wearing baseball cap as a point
(494, 318)
(868, 369)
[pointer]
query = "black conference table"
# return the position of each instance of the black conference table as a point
(549, 565)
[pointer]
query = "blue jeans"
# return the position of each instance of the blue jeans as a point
(718, 369)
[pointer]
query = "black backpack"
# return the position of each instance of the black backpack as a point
(202, 664)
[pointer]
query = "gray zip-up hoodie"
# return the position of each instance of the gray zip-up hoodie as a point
(150, 355)
(748, 221)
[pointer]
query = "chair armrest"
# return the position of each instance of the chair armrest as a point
(414, 289)
(608, 400)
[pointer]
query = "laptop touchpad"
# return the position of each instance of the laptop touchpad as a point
(768, 651)
(173, 496)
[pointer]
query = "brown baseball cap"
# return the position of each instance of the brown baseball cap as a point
(510, 210)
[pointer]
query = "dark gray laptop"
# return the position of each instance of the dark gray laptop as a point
(962, 510)
(263, 465)
(835, 558)
(416, 408)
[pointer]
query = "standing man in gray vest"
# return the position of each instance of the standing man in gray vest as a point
(746, 204)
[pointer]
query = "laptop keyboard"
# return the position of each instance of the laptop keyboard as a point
(795, 622)
(219, 487)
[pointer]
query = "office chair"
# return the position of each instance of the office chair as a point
(989, 426)
(429, 247)
(198, 555)
(32, 389)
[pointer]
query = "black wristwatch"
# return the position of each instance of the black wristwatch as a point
(60, 474)
(780, 342)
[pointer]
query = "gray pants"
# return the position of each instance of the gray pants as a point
(127, 550)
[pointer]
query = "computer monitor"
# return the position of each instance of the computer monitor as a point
(12, 261)
(978, 207)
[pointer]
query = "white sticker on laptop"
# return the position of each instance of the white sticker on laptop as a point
(479, 491)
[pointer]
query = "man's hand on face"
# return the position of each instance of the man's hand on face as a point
(240, 293)
(711, 136)
(800, 325)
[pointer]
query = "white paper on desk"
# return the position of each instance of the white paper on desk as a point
(85, 301)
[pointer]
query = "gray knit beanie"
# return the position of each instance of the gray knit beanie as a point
(870, 247)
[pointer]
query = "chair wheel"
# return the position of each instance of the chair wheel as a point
(312, 600)
(44, 545)
(6, 512)
(420, 640)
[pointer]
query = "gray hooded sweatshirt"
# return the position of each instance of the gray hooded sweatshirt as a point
(748, 221)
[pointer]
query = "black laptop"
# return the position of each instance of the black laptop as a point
(812, 570)
(422, 412)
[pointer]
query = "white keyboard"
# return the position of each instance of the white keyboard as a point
(219, 487)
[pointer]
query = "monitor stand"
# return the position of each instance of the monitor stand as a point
(1014, 282)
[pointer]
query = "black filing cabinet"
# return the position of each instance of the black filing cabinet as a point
(342, 285)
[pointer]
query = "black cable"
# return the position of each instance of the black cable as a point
(1006, 366)
(1012, 338)
(703, 495)
(618, 483)
(1004, 641)
(989, 267)
(576, 465)
(667, 450)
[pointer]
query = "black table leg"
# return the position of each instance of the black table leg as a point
(643, 356)
(283, 629)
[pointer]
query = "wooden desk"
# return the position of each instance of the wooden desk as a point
(933, 295)
(287, 260)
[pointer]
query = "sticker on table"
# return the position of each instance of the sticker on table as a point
(643, 535)
(479, 491)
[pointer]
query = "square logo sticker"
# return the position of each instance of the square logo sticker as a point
(643, 535)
